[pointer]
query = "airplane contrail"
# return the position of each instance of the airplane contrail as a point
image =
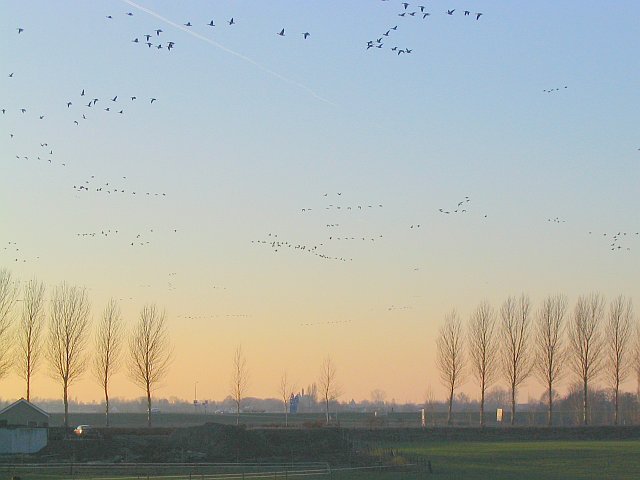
(228, 50)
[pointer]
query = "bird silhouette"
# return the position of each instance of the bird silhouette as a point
(211, 24)
(231, 22)
(281, 33)
(306, 35)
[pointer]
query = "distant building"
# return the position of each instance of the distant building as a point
(23, 428)
(294, 401)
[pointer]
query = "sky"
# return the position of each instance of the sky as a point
(528, 116)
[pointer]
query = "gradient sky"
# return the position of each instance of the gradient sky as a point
(250, 128)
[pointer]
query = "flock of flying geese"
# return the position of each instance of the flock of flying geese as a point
(111, 187)
(154, 41)
(138, 240)
(117, 105)
(419, 12)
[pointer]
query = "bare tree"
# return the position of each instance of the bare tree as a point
(68, 334)
(108, 347)
(286, 392)
(328, 385)
(378, 397)
(586, 344)
(239, 380)
(618, 331)
(29, 334)
(483, 350)
(8, 294)
(150, 351)
(516, 351)
(549, 348)
(451, 356)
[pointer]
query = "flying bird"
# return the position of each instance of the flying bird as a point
(450, 12)
(281, 33)
(20, 30)
(231, 22)
(188, 24)
(305, 35)
(158, 32)
(211, 24)
(478, 15)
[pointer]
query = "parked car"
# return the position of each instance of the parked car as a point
(83, 430)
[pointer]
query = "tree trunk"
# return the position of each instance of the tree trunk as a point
(550, 410)
(449, 417)
(106, 409)
(28, 386)
(326, 401)
(148, 405)
(585, 402)
(617, 390)
(66, 406)
(237, 413)
(513, 405)
(482, 408)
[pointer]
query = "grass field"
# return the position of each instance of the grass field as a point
(524, 460)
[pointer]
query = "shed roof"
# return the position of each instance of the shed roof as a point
(22, 400)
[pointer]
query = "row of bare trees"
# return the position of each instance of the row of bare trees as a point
(68, 336)
(515, 342)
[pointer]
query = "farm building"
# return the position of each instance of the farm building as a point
(23, 428)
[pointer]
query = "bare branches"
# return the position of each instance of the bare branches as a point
(328, 384)
(618, 331)
(68, 329)
(483, 350)
(8, 294)
(108, 346)
(516, 352)
(451, 356)
(549, 348)
(239, 379)
(29, 333)
(586, 344)
(150, 352)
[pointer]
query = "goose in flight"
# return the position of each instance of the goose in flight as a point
(306, 35)
(450, 12)
(281, 33)
(211, 24)
(231, 22)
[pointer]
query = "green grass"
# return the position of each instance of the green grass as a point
(526, 460)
